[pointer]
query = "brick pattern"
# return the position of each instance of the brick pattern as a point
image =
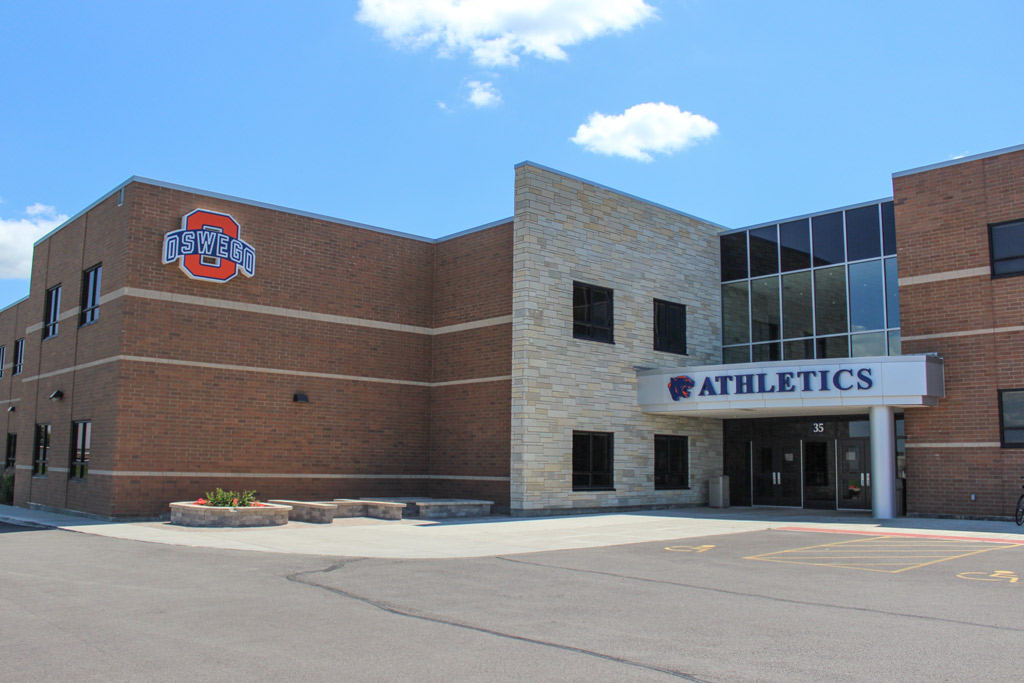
(942, 219)
(155, 418)
(567, 230)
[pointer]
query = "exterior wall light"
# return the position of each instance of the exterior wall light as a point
(57, 395)
(10, 409)
(300, 398)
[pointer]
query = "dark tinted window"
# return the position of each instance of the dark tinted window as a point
(669, 327)
(867, 296)
(888, 229)
(797, 311)
(1007, 242)
(830, 300)
(736, 354)
(767, 352)
(833, 347)
(1011, 417)
(862, 236)
(764, 309)
(734, 256)
(795, 245)
(827, 232)
(764, 251)
(591, 460)
(671, 466)
(591, 312)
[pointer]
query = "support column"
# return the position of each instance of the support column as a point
(883, 462)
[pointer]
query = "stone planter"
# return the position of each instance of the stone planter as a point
(190, 514)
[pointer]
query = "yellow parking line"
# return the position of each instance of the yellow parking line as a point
(887, 553)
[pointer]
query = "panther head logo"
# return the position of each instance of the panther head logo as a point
(679, 387)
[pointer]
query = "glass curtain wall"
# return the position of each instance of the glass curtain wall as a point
(824, 286)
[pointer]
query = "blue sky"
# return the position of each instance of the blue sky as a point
(410, 114)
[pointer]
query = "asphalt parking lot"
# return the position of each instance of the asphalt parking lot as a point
(756, 606)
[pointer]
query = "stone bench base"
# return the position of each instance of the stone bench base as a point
(377, 509)
(315, 513)
(190, 514)
(440, 508)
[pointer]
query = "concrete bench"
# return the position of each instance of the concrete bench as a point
(448, 507)
(377, 509)
(317, 513)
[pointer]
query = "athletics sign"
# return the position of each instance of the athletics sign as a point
(791, 387)
(208, 247)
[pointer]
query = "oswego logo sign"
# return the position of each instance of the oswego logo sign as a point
(208, 247)
(679, 387)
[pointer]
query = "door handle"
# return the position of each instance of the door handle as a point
(862, 479)
(869, 479)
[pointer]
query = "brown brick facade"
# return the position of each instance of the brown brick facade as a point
(942, 219)
(189, 384)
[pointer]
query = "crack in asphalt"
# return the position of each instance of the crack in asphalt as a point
(301, 578)
(792, 601)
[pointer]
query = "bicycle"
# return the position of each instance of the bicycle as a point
(1020, 509)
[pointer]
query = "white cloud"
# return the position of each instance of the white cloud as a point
(642, 130)
(961, 155)
(17, 235)
(483, 94)
(497, 33)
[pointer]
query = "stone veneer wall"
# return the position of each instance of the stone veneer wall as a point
(570, 230)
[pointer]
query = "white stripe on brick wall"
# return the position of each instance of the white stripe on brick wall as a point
(288, 475)
(295, 313)
(964, 333)
(960, 444)
(267, 371)
(941, 277)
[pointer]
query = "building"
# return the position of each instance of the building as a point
(595, 351)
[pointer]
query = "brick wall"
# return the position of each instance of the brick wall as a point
(942, 218)
(189, 384)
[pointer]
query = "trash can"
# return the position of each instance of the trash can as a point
(718, 492)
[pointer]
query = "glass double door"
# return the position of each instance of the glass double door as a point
(854, 468)
(776, 473)
(795, 473)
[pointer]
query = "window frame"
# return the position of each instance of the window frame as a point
(684, 472)
(41, 449)
(3, 359)
(19, 356)
(992, 250)
(584, 327)
(660, 342)
(1002, 421)
(51, 313)
(91, 287)
(591, 472)
(78, 460)
(11, 450)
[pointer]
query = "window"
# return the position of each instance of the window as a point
(3, 359)
(91, 295)
(1011, 418)
(671, 462)
(669, 327)
(19, 356)
(591, 461)
(81, 436)
(52, 312)
(1006, 241)
(12, 448)
(592, 313)
(41, 452)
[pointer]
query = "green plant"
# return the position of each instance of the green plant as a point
(7, 489)
(222, 498)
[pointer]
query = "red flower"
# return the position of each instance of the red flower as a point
(201, 501)
(234, 501)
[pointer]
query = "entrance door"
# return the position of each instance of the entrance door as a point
(819, 475)
(776, 470)
(854, 480)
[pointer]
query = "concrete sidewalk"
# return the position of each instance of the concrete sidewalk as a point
(497, 535)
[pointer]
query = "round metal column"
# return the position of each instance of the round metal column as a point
(883, 462)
